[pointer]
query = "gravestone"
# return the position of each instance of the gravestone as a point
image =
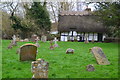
(86, 38)
(14, 42)
(75, 38)
(26, 40)
(69, 51)
(39, 68)
(51, 45)
(33, 37)
(90, 67)
(37, 44)
(14, 38)
(100, 56)
(44, 38)
(92, 41)
(55, 40)
(28, 52)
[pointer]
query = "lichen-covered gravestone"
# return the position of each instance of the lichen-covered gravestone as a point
(28, 52)
(100, 56)
(39, 68)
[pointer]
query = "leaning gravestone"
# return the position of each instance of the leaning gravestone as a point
(39, 68)
(100, 56)
(69, 51)
(28, 52)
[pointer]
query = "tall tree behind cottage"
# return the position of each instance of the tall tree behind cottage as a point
(109, 14)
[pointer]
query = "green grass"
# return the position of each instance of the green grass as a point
(62, 65)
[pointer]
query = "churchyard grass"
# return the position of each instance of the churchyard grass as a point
(62, 65)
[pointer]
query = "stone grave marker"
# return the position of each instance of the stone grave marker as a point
(39, 68)
(33, 37)
(86, 38)
(14, 42)
(26, 40)
(69, 51)
(28, 52)
(55, 40)
(44, 38)
(92, 41)
(37, 44)
(51, 45)
(100, 56)
(90, 67)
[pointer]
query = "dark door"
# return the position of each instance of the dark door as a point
(100, 37)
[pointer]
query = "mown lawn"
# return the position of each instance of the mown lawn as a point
(62, 65)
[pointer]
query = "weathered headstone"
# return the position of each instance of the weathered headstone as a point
(44, 38)
(86, 38)
(28, 52)
(51, 45)
(100, 56)
(90, 67)
(55, 40)
(14, 42)
(33, 37)
(69, 51)
(14, 38)
(37, 44)
(39, 68)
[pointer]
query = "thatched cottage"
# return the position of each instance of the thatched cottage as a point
(76, 25)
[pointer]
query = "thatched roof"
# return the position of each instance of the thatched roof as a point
(83, 21)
